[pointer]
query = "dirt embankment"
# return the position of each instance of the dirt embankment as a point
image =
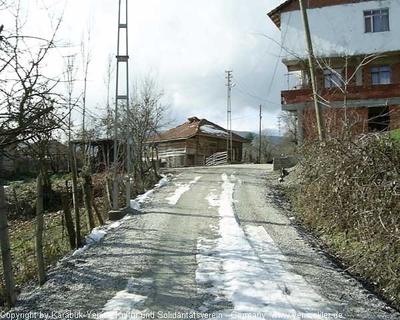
(348, 195)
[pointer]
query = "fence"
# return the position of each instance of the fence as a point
(218, 158)
(30, 246)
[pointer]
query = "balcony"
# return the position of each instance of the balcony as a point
(356, 96)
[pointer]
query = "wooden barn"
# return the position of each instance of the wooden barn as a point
(192, 142)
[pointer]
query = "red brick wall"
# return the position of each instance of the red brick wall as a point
(394, 112)
(334, 121)
(394, 72)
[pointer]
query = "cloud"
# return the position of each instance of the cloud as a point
(189, 44)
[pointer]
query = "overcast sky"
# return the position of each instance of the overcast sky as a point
(188, 44)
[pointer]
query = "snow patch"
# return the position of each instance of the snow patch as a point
(246, 268)
(94, 237)
(213, 199)
(164, 181)
(126, 303)
(210, 129)
(173, 200)
(135, 203)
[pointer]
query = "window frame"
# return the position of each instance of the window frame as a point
(333, 78)
(370, 23)
(378, 71)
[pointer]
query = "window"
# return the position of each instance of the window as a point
(380, 75)
(376, 20)
(378, 119)
(332, 78)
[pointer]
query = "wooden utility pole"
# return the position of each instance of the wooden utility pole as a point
(39, 232)
(311, 62)
(259, 137)
(6, 252)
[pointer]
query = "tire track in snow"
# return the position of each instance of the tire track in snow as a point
(245, 267)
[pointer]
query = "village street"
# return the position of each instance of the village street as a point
(213, 242)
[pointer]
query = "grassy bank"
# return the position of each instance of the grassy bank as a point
(349, 196)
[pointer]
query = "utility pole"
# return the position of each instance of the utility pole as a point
(229, 115)
(121, 99)
(259, 136)
(311, 62)
(280, 125)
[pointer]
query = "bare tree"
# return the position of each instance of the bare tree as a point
(29, 107)
(148, 115)
(107, 121)
(340, 79)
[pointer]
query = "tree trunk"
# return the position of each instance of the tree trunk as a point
(6, 253)
(75, 195)
(98, 213)
(39, 232)
(108, 193)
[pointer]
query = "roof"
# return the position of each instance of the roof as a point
(275, 14)
(194, 126)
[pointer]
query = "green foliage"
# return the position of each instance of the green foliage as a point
(395, 135)
(349, 195)
(250, 136)
(61, 177)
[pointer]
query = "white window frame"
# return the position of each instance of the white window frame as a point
(376, 20)
(333, 78)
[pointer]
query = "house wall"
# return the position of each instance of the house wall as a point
(394, 112)
(6, 164)
(339, 30)
(196, 150)
(334, 120)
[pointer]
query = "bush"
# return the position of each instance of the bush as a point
(349, 195)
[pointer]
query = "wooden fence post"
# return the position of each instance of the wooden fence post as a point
(75, 199)
(86, 189)
(39, 232)
(6, 252)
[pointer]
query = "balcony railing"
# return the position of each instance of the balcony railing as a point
(383, 91)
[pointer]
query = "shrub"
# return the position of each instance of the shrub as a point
(349, 195)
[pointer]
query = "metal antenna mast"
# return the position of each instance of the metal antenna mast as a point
(122, 100)
(229, 116)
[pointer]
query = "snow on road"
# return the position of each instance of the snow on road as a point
(173, 200)
(125, 304)
(246, 268)
(243, 266)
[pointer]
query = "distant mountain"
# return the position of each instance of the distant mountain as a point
(273, 138)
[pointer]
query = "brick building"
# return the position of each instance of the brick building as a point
(357, 50)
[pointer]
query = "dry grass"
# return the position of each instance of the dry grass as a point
(349, 195)
(22, 225)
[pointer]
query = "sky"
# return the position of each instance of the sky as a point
(186, 45)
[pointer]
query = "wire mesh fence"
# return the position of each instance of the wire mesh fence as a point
(22, 237)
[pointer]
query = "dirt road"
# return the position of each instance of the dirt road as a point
(214, 242)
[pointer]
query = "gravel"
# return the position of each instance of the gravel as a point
(153, 255)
